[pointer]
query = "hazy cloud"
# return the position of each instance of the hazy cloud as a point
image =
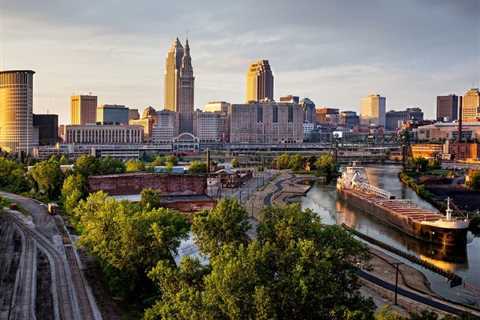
(334, 52)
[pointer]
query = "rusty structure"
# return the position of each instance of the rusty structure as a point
(186, 193)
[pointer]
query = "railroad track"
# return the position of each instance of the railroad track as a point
(71, 303)
(23, 297)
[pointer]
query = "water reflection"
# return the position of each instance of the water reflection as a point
(464, 261)
(445, 257)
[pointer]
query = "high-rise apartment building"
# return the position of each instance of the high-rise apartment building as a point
(179, 84)
(259, 81)
(372, 110)
(471, 105)
(16, 105)
(83, 109)
(447, 107)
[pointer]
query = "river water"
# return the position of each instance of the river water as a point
(464, 261)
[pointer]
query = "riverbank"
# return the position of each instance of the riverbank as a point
(285, 187)
(435, 192)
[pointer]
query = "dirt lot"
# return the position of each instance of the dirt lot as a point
(463, 198)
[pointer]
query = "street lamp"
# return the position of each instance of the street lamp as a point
(396, 265)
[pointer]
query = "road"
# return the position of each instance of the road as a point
(420, 298)
(243, 192)
(44, 223)
(71, 298)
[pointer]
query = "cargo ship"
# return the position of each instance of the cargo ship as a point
(402, 214)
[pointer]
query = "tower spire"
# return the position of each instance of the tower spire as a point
(187, 47)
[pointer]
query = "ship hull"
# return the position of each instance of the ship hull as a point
(427, 233)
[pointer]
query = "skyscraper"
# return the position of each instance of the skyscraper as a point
(372, 110)
(471, 105)
(179, 84)
(16, 106)
(447, 107)
(83, 109)
(259, 81)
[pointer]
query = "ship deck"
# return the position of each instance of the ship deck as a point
(402, 207)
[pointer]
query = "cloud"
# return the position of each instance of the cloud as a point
(332, 51)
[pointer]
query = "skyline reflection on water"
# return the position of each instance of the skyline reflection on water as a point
(464, 261)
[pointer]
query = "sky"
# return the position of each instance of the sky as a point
(334, 52)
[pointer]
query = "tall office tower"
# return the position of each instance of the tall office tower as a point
(47, 126)
(471, 105)
(259, 81)
(16, 105)
(83, 109)
(447, 107)
(179, 84)
(372, 110)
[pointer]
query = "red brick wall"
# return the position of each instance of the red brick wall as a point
(134, 183)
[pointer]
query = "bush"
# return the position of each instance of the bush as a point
(197, 167)
(473, 180)
(326, 166)
(134, 166)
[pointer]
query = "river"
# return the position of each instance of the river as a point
(464, 261)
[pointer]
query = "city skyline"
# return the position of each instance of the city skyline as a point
(405, 56)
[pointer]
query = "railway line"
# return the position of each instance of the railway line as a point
(23, 297)
(70, 296)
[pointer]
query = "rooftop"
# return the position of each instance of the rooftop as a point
(17, 71)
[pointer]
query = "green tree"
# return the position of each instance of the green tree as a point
(73, 190)
(326, 166)
(227, 223)
(127, 241)
(473, 180)
(282, 161)
(169, 167)
(297, 268)
(86, 165)
(134, 166)
(89, 165)
(109, 165)
(47, 178)
(12, 176)
(158, 161)
(197, 167)
(235, 163)
(63, 160)
(386, 313)
(181, 290)
(420, 164)
(296, 162)
(171, 159)
(150, 199)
